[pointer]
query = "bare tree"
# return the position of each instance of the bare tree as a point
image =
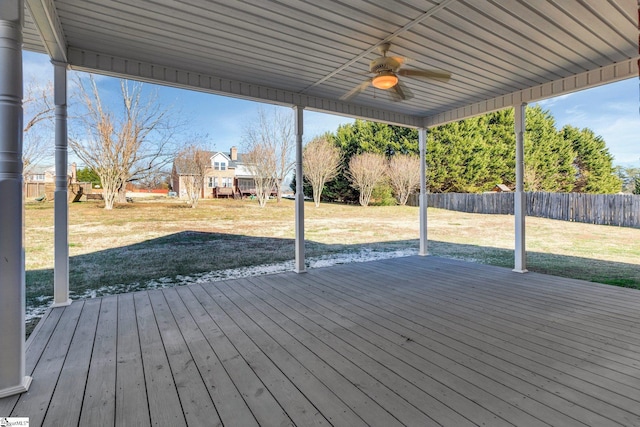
(261, 161)
(366, 170)
(274, 132)
(38, 113)
(192, 163)
(404, 176)
(157, 180)
(124, 146)
(321, 162)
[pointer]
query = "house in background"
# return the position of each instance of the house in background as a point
(48, 175)
(226, 176)
(500, 188)
(40, 181)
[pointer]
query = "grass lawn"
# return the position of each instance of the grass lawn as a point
(144, 243)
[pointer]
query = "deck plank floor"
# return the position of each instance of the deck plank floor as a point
(415, 341)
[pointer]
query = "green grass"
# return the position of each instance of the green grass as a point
(133, 244)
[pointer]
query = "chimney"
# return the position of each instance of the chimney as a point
(234, 154)
(74, 173)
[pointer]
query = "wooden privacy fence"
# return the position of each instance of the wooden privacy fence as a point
(34, 190)
(605, 209)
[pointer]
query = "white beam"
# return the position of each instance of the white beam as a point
(422, 135)
(61, 205)
(299, 260)
(93, 62)
(45, 17)
(520, 201)
(608, 74)
(12, 267)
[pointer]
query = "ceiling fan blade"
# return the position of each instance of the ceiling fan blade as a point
(400, 92)
(356, 90)
(439, 75)
(399, 61)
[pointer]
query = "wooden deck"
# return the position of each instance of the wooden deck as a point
(409, 341)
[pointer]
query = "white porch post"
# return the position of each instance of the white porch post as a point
(12, 274)
(520, 201)
(299, 261)
(61, 206)
(422, 135)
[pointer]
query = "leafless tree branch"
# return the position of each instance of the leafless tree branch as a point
(321, 162)
(404, 176)
(366, 170)
(273, 132)
(122, 146)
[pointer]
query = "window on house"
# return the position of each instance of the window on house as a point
(226, 182)
(220, 166)
(210, 183)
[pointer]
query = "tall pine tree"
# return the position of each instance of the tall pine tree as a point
(593, 164)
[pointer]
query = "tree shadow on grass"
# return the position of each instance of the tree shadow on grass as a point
(158, 262)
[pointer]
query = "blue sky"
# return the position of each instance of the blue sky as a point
(611, 111)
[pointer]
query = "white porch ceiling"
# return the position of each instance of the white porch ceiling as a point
(310, 52)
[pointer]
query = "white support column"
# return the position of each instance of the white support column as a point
(422, 135)
(520, 201)
(299, 261)
(12, 267)
(61, 206)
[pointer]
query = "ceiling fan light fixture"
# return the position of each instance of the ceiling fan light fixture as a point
(385, 80)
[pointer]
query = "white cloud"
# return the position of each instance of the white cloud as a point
(550, 102)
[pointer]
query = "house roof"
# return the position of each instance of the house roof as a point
(232, 164)
(500, 52)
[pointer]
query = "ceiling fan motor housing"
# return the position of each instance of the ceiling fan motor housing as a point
(383, 64)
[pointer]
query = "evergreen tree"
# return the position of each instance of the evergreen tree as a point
(593, 163)
(460, 159)
(475, 154)
(86, 174)
(548, 157)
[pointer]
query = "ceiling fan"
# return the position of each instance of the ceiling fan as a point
(387, 70)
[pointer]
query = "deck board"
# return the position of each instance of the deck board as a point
(334, 409)
(132, 407)
(445, 342)
(407, 341)
(264, 407)
(164, 403)
(100, 394)
(195, 400)
(388, 389)
(298, 342)
(479, 390)
(293, 402)
(230, 405)
(589, 396)
(65, 406)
